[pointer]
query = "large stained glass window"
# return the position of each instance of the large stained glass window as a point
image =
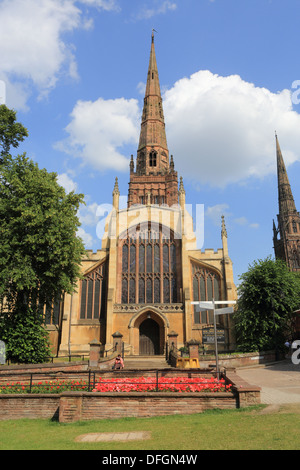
(149, 266)
(206, 286)
(93, 294)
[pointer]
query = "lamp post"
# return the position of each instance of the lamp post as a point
(211, 305)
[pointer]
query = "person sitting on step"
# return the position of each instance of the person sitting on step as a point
(119, 363)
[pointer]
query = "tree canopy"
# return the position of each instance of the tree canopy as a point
(268, 295)
(40, 253)
(11, 131)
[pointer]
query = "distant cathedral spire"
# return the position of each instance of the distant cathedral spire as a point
(287, 247)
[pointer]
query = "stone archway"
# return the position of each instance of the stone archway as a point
(149, 338)
(148, 330)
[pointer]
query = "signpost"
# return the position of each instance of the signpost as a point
(211, 305)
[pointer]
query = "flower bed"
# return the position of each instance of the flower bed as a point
(163, 384)
(48, 386)
(137, 384)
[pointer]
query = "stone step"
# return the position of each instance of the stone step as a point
(146, 362)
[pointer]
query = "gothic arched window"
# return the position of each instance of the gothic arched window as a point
(206, 286)
(93, 294)
(149, 273)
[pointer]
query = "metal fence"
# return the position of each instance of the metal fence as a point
(60, 381)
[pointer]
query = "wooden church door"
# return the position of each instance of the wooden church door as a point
(149, 338)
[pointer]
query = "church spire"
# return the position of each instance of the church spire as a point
(154, 180)
(285, 196)
(153, 141)
(287, 247)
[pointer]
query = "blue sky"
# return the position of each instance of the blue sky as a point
(229, 71)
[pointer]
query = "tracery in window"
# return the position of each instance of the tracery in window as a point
(149, 266)
(206, 286)
(93, 294)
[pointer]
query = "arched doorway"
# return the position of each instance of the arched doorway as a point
(149, 340)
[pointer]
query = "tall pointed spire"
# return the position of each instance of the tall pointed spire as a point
(153, 135)
(285, 196)
(154, 180)
(287, 247)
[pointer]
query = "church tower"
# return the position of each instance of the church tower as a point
(287, 246)
(154, 180)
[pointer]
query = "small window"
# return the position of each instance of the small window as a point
(152, 159)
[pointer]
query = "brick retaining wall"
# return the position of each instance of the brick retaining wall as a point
(35, 406)
(86, 406)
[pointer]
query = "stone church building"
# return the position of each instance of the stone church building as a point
(139, 286)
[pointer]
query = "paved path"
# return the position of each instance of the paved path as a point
(279, 382)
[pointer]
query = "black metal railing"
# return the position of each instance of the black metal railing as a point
(60, 381)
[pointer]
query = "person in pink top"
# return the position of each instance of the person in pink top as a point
(119, 363)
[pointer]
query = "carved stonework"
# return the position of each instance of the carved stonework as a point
(134, 308)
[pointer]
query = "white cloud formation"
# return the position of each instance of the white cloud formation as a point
(157, 7)
(215, 213)
(66, 182)
(86, 238)
(98, 130)
(33, 49)
(221, 129)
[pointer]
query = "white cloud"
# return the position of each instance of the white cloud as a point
(215, 213)
(107, 5)
(87, 215)
(33, 49)
(66, 182)
(157, 7)
(221, 129)
(98, 130)
(244, 222)
(86, 238)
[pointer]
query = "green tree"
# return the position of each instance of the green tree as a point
(11, 131)
(40, 253)
(268, 294)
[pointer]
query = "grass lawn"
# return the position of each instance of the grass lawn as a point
(254, 428)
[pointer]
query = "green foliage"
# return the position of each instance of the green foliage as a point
(25, 338)
(40, 253)
(268, 295)
(11, 132)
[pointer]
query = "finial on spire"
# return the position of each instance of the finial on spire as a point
(116, 187)
(181, 187)
(224, 231)
(153, 31)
